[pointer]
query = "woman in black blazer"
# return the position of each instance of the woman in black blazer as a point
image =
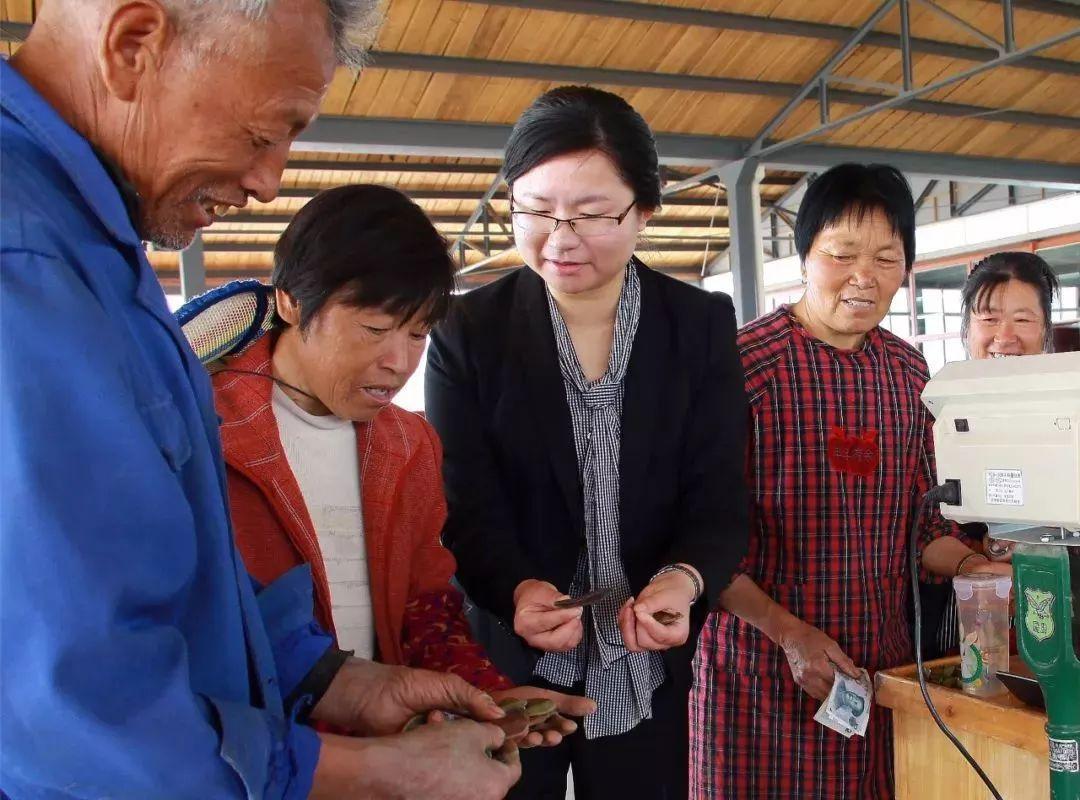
(593, 417)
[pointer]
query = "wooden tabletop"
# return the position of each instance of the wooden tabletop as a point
(1001, 717)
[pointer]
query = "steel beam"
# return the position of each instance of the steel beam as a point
(558, 73)
(801, 183)
(925, 193)
(221, 237)
(391, 166)
(1061, 8)
(744, 252)
(14, 31)
(474, 217)
(825, 69)
(497, 219)
(788, 218)
(454, 139)
(475, 277)
(192, 269)
(963, 23)
(966, 206)
(475, 140)
(659, 221)
(251, 218)
(879, 86)
(466, 195)
(169, 277)
(676, 15)
(975, 169)
(904, 97)
(308, 192)
(688, 245)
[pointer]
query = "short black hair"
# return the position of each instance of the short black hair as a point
(369, 247)
(859, 190)
(570, 119)
(1000, 268)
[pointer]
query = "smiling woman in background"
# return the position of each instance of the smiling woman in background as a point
(1006, 306)
(1006, 312)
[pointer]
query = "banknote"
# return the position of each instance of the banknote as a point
(847, 708)
(589, 599)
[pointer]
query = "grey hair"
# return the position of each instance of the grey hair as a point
(353, 24)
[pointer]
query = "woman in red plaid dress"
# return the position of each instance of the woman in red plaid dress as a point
(840, 454)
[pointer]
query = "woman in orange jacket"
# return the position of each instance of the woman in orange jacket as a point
(323, 469)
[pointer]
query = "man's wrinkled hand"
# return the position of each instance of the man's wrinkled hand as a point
(460, 760)
(374, 699)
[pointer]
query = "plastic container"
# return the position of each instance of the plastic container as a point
(982, 602)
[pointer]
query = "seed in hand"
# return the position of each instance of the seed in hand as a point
(667, 617)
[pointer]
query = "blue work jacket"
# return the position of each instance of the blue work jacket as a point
(138, 659)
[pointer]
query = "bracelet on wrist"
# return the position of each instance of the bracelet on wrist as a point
(689, 573)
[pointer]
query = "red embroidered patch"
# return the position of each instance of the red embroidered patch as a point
(858, 455)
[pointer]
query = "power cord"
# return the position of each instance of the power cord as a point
(948, 492)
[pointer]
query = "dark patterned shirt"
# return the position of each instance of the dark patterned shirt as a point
(840, 453)
(621, 682)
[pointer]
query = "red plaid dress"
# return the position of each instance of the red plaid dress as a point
(840, 452)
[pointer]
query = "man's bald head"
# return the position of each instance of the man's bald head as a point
(197, 101)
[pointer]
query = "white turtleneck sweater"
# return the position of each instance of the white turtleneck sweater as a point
(321, 451)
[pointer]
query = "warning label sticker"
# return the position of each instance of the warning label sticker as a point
(1064, 755)
(1004, 487)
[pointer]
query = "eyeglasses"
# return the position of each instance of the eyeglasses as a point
(545, 224)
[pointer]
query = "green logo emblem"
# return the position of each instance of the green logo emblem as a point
(1037, 619)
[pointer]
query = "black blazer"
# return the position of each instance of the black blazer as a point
(495, 394)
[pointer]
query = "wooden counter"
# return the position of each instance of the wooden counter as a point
(1006, 737)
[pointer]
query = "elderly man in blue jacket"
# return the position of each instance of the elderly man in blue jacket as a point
(138, 660)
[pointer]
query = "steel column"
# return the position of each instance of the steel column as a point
(1007, 14)
(742, 180)
(905, 43)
